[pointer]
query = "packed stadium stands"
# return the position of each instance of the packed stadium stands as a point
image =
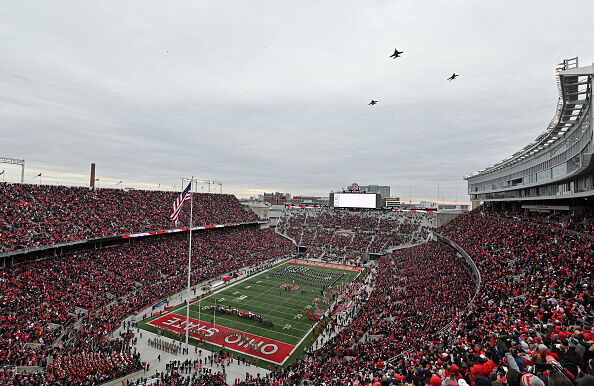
(34, 215)
(96, 289)
(351, 235)
(58, 313)
(423, 321)
(535, 304)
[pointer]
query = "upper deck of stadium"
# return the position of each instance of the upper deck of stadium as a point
(559, 161)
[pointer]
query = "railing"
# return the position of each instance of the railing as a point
(477, 275)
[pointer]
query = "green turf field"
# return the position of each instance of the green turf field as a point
(262, 294)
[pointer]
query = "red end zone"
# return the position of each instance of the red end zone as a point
(268, 349)
(325, 265)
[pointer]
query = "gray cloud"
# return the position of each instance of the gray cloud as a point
(270, 96)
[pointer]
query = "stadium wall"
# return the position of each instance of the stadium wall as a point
(471, 264)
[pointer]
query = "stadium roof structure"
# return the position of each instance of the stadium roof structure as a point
(569, 109)
(573, 115)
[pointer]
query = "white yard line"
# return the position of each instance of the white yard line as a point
(224, 288)
(276, 306)
(242, 322)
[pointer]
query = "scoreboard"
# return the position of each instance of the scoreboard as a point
(355, 200)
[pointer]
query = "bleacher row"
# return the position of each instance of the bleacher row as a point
(350, 235)
(58, 312)
(109, 285)
(535, 306)
(34, 215)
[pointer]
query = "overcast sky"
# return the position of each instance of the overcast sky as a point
(273, 95)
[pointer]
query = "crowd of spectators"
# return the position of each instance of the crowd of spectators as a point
(59, 313)
(38, 215)
(530, 323)
(579, 221)
(417, 291)
(424, 323)
(350, 235)
(192, 372)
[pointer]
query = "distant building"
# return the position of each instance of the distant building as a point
(384, 191)
(427, 204)
(444, 206)
(275, 198)
(453, 206)
(309, 201)
(391, 202)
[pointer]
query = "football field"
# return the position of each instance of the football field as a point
(267, 318)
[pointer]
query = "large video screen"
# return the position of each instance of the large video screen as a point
(355, 200)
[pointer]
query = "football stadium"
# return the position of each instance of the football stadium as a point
(110, 284)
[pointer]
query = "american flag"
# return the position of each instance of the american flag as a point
(179, 202)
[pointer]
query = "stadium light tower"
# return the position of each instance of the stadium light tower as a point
(14, 161)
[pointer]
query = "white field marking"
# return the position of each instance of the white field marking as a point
(283, 318)
(305, 325)
(299, 343)
(274, 308)
(281, 263)
(284, 315)
(304, 336)
(271, 288)
(257, 305)
(239, 352)
(240, 322)
(277, 305)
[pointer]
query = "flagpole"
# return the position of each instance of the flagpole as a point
(189, 265)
